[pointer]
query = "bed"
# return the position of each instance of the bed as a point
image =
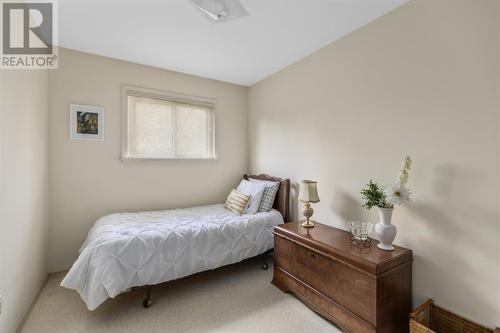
(143, 249)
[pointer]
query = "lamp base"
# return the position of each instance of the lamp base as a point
(307, 224)
(308, 212)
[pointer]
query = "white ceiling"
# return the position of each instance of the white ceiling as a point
(172, 34)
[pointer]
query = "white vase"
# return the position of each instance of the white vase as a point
(385, 231)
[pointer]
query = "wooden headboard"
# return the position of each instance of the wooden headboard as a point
(282, 200)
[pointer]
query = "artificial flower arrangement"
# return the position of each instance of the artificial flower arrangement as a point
(385, 198)
(390, 195)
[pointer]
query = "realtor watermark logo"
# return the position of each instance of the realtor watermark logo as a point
(29, 34)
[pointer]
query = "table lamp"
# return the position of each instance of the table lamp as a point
(308, 193)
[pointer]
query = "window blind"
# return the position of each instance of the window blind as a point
(161, 127)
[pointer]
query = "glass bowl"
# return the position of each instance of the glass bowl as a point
(360, 231)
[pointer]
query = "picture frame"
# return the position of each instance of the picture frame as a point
(86, 122)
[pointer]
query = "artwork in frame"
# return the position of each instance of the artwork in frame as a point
(86, 122)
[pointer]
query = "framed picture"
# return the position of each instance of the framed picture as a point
(86, 122)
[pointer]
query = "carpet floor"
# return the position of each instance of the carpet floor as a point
(234, 299)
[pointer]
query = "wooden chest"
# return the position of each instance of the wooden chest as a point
(361, 290)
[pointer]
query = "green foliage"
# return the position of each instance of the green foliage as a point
(373, 196)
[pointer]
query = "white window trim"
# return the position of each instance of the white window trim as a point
(171, 97)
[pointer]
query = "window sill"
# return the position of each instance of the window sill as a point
(173, 159)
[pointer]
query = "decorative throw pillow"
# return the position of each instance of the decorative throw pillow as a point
(268, 198)
(267, 202)
(255, 191)
(236, 202)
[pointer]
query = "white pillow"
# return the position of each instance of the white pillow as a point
(268, 183)
(267, 202)
(255, 191)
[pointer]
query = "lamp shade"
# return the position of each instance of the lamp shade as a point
(308, 191)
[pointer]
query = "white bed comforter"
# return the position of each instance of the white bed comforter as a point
(135, 249)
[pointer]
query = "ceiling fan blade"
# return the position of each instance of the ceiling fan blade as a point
(220, 10)
(206, 12)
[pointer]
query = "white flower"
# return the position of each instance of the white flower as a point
(405, 168)
(397, 194)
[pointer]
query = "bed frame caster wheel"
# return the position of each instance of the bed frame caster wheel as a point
(147, 301)
(265, 266)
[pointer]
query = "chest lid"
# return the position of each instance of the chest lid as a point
(336, 243)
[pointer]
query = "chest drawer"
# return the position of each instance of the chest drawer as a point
(354, 289)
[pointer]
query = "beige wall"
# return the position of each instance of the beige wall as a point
(422, 80)
(88, 179)
(24, 217)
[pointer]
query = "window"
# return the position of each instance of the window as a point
(166, 126)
